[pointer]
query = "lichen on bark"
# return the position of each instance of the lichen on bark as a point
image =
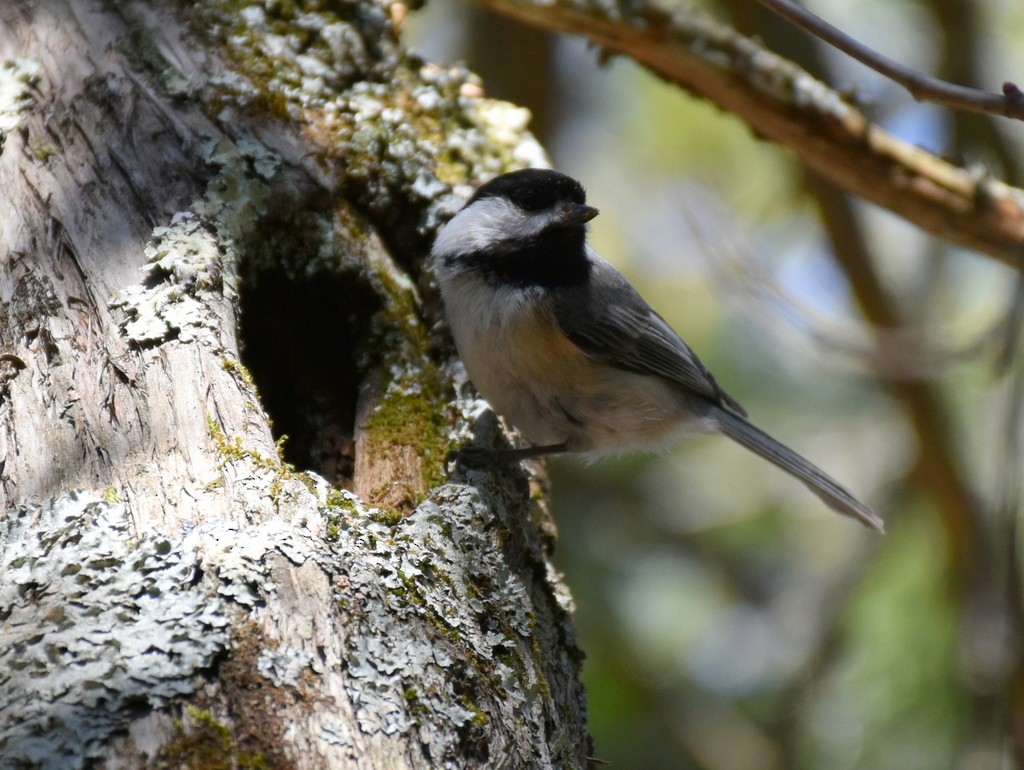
(97, 623)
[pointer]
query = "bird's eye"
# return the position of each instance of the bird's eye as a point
(530, 200)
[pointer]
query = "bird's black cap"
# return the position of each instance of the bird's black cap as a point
(533, 189)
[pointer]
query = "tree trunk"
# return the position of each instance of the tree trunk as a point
(213, 235)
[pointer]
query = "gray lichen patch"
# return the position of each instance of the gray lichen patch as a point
(95, 622)
(406, 143)
(238, 555)
(469, 577)
(17, 79)
(283, 665)
(434, 132)
(237, 195)
(184, 260)
(304, 55)
(197, 253)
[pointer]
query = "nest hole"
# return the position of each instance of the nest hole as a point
(300, 339)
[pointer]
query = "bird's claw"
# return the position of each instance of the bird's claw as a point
(468, 457)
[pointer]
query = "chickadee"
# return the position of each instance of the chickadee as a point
(565, 348)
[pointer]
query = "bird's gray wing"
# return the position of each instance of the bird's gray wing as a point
(608, 319)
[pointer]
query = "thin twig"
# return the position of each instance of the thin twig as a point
(924, 88)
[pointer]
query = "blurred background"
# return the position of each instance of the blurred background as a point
(730, 621)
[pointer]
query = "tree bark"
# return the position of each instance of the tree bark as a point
(215, 220)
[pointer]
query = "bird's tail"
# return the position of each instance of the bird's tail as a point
(832, 493)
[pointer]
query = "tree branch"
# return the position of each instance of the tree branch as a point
(924, 88)
(783, 103)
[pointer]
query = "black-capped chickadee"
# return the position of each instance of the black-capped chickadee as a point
(566, 349)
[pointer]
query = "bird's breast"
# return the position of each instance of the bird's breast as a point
(547, 387)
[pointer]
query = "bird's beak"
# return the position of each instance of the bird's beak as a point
(578, 214)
